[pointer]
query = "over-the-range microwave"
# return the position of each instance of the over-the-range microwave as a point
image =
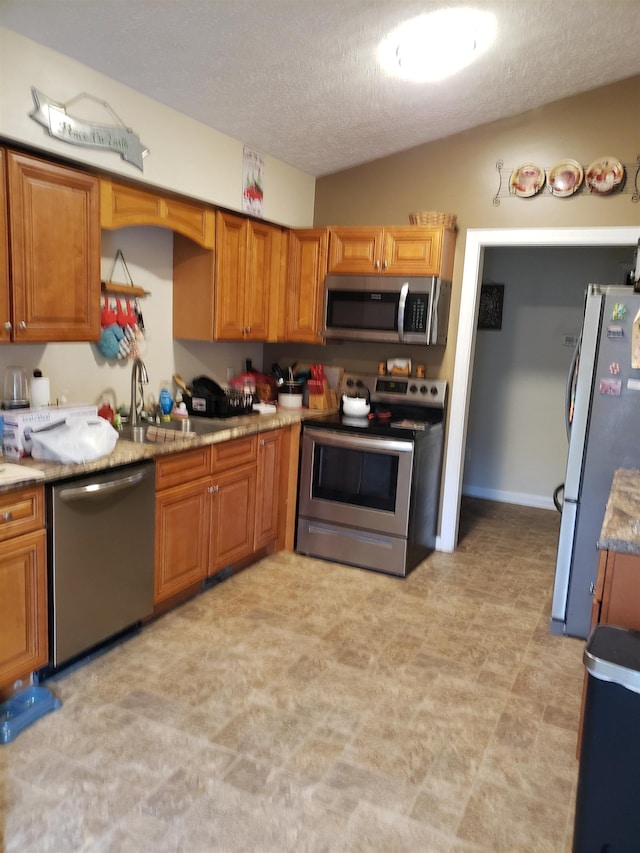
(392, 309)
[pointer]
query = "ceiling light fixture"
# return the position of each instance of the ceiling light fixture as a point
(434, 46)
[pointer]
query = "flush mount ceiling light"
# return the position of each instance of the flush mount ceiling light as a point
(437, 45)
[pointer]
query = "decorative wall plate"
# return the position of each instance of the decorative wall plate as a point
(604, 175)
(527, 180)
(565, 178)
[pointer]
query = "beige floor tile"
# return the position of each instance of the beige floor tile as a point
(306, 706)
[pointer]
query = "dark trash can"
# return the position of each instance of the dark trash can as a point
(607, 817)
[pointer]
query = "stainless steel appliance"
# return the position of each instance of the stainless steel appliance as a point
(370, 486)
(603, 402)
(100, 557)
(387, 308)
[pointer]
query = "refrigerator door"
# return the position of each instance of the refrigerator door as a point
(610, 442)
(584, 362)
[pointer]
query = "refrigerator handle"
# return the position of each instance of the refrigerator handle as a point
(570, 389)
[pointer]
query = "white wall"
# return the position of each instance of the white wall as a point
(185, 155)
(516, 447)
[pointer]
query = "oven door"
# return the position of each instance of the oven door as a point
(355, 480)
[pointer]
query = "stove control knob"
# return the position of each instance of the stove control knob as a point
(434, 390)
(413, 388)
(423, 389)
(350, 383)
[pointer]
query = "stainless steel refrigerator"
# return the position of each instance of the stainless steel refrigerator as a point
(603, 395)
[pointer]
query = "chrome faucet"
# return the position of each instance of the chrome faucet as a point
(139, 376)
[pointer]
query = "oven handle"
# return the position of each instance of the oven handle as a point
(402, 303)
(358, 442)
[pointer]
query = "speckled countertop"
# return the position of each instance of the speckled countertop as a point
(621, 524)
(128, 452)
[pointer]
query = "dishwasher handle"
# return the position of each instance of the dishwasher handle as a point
(120, 484)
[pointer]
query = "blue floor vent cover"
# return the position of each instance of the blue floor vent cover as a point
(23, 709)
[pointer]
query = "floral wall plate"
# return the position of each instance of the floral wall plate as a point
(527, 180)
(604, 175)
(565, 178)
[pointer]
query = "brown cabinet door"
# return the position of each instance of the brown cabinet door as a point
(5, 304)
(355, 250)
(621, 592)
(307, 268)
(23, 606)
(232, 517)
(54, 222)
(182, 537)
(231, 253)
(409, 253)
(260, 247)
(268, 488)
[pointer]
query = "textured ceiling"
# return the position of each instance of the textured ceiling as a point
(297, 79)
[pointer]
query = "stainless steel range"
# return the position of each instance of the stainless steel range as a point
(370, 486)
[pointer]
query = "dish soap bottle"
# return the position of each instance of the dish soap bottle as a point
(166, 402)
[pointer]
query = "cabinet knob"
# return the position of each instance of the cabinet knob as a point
(7, 516)
(22, 324)
(377, 265)
(385, 264)
(7, 326)
(262, 442)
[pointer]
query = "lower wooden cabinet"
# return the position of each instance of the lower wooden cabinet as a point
(268, 502)
(23, 585)
(182, 534)
(233, 508)
(215, 505)
(616, 600)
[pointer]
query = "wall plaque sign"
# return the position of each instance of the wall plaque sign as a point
(54, 117)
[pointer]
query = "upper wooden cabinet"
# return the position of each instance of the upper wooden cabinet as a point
(228, 294)
(304, 290)
(247, 274)
(122, 205)
(396, 250)
(54, 227)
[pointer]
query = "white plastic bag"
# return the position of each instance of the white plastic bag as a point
(77, 440)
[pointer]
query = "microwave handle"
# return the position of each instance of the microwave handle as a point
(402, 304)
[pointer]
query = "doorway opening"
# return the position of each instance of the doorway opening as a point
(476, 242)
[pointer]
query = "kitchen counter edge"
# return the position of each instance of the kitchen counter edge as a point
(129, 452)
(621, 525)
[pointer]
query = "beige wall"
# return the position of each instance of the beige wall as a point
(459, 175)
(185, 155)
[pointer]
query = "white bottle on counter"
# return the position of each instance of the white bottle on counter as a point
(40, 391)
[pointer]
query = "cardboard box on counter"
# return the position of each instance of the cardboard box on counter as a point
(19, 423)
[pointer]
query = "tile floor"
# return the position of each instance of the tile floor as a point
(307, 706)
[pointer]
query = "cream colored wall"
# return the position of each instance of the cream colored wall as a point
(459, 175)
(185, 155)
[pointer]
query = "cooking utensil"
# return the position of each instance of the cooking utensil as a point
(182, 385)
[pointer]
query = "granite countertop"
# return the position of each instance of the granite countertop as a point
(129, 452)
(621, 524)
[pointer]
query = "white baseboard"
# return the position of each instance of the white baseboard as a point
(519, 498)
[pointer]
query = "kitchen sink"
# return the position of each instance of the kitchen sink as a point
(183, 429)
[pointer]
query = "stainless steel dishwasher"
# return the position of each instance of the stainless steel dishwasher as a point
(101, 553)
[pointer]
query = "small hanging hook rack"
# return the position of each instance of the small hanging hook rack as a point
(130, 289)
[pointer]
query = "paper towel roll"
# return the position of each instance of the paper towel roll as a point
(40, 393)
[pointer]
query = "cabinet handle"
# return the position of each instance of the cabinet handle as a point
(7, 326)
(592, 588)
(7, 516)
(22, 324)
